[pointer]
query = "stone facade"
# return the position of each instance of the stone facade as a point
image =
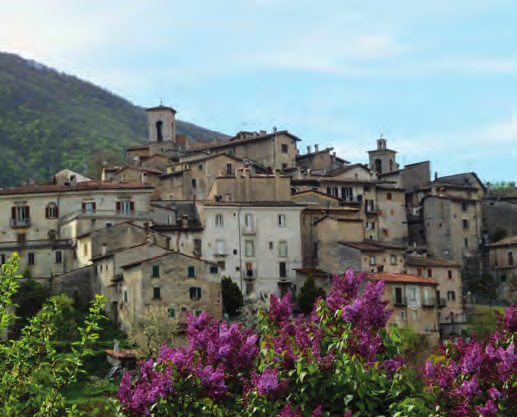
(503, 265)
(370, 256)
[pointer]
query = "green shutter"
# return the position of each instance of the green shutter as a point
(156, 271)
(171, 312)
(198, 312)
(213, 269)
(125, 296)
(156, 293)
(191, 271)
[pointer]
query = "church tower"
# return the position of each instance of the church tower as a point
(161, 124)
(382, 159)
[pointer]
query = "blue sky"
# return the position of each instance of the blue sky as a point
(436, 77)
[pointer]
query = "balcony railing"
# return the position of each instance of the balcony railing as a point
(400, 301)
(20, 222)
(250, 273)
(137, 215)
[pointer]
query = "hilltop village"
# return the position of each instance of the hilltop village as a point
(166, 227)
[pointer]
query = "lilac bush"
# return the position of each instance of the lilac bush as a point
(339, 361)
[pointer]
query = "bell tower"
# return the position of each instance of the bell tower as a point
(161, 125)
(382, 159)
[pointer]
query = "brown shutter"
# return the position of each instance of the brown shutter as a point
(118, 206)
(132, 206)
(46, 212)
(27, 212)
(93, 206)
(13, 213)
(57, 211)
(84, 206)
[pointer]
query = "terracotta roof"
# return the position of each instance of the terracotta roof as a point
(140, 169)
(132, 264)
(181, 139)
(315, 272)
(80, 186)
(254, 204)
(401, 278)
(340, 170)
(372, 245)
(338, 219)
(433, 262)
(160, 108)
(509, 241)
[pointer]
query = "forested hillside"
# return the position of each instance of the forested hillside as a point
(50, 121)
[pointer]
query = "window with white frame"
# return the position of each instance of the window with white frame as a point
(219, 219)
(249, 248)
(282, 249)
(249, 221)
(411, 291)
(281, 220)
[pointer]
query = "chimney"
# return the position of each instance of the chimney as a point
(274, 129)
(316, 148)
(184, 221)
(334, 154)
(435, 175)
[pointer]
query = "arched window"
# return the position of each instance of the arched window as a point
(378, 166)
(159, 134)
(51, 211)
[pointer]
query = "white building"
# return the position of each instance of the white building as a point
(256, 243)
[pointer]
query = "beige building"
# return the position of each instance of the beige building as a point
(503, 264)
(173, 281)
(370, 256)
(382, 159)
(41, 221)
(256, 243)
(413, 303)
(271, 150)
(320, 161)
(447, 274)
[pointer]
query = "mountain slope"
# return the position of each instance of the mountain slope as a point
(50, 121)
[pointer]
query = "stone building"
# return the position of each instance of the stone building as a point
(369, 256)
(173, 281)
(449, 296)
(40, 222)
(503, 265)
(382, 159)
(500, 214)
(320, 161)
(412, 300)
(256, 243)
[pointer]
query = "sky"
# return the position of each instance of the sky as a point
(435, 77)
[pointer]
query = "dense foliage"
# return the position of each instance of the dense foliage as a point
(50, 121)
(233, 300)
(33, 374)
(341, 360)
(309, 293)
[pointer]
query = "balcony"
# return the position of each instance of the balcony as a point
(249, 230)
(110, 214)
(428, 301)
(250, 273)
(20, 223)
(400, 301)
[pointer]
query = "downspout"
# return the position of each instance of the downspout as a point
(240, 245)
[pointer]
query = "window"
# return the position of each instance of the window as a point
(283, 269)
(249, 248)
(2, 259)
(449, 274)
(200, 167)
(171, 313)
(156, 271)
(394, 259)
(156, 293)
(229, 169)
(249, 221)
(31, 259)
(191, 270)
(51, 211)
(219, 247)
(464, 206)
(213, 269)
(411, 293)
(282, 249)
(193, 182)
(419, 272)
(222, 265)
(20, 216)
(388, 196)
(108, 225)
(372, 260)
(315, 219)
(466, 243)
(503, 277)
(250, 288)
(197, 246)
(125, 296)
(219, 219)
(347, 193)
(429, 273)
(415, 314)
(284, 165)
(510, 259)
(58, 257)
(271, 245)
(465, 223)
(366, 188)
(85, 249)
(88, 207)
(125, 206)
(281, 220)
(197, 313)
(195, 293)
(285, 148)
(451, 296)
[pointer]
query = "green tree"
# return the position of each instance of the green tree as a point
(32, 374)
(233, 300)
(151, 330)
(309, 293)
